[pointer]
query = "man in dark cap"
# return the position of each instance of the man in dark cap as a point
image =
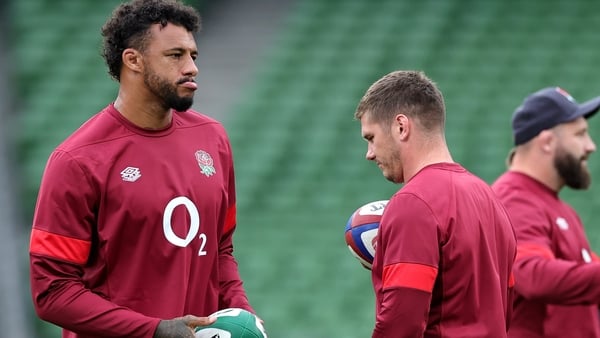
(557, 276)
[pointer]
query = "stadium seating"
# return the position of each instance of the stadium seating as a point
(300, 159)
(299, 156)
(61, 77)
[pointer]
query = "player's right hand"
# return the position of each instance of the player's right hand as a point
(181, 327)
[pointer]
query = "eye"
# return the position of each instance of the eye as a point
(175, 55)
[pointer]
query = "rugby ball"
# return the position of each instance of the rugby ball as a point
(232, 323)
(361, 229)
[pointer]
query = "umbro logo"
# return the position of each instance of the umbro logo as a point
(562, 223)
(131, 174)
(586, 256)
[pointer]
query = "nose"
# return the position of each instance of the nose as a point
(190, 68)
(591, 146)
(370, 156)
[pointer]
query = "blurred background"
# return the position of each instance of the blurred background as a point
(284, 76)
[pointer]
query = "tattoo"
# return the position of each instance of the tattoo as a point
(173, 329)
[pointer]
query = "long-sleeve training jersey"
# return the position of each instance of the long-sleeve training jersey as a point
(557, 276)
(444, 256)
(132, 226)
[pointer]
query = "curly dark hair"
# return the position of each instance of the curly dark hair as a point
(128, 27)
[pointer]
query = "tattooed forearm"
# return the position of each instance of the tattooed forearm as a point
(173, 329)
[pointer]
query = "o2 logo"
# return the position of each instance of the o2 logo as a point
(194, 224)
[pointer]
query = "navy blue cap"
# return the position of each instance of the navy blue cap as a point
(547, 108)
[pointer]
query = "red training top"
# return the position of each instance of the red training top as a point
(133, 225)
(444, 257)
(557, 275)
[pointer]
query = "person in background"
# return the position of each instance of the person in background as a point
(132, 231)
(556, 272)
(445, 244)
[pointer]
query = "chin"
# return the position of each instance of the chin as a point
(182, 105)
(390, 178)
(394, 179)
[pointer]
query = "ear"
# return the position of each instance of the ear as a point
(132, 59)
(546, 140)
(402, 126)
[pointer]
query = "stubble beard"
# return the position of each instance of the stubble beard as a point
(392, 165)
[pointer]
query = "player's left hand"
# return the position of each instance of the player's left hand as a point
(181, 327)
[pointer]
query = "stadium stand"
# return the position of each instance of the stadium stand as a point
(300, 160)
(13, 235)
(299, 154)
(62, 79)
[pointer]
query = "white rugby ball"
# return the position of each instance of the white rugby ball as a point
(361, 231)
